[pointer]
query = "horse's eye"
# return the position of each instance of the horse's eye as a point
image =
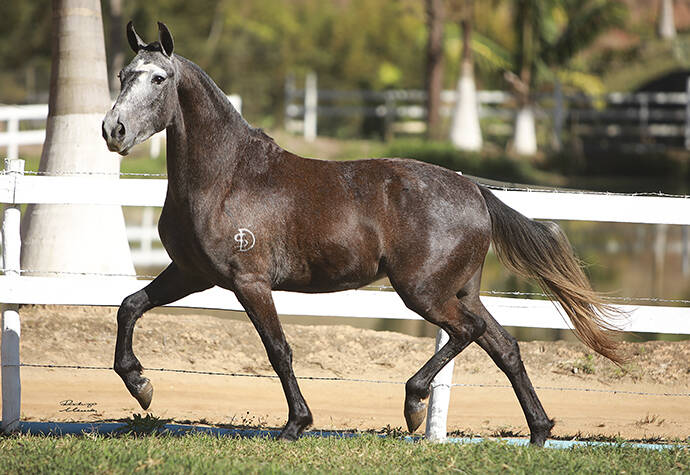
(158, 79)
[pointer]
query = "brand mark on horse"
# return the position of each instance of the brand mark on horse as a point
(245, 238)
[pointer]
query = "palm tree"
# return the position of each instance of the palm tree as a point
(545, 47)
(434, 65)
(666, 27)
(465, 131)
(84, 238)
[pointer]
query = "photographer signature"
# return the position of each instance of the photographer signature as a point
(70, 405)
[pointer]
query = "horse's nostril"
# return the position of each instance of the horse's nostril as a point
(120, 129)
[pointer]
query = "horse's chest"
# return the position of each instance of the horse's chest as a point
(182, 239)
(203, 241)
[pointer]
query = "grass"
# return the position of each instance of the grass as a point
(366, 454)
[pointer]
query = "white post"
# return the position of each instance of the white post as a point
(525, 139)
(9, 354)
(437, 414)
(310, 107)
(13, 136)
(155, 145)
(465, 131)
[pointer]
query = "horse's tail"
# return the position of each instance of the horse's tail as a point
(541, 251)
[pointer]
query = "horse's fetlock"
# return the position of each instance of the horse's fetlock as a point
(120, 368)
(305, 420)
(416, 390)
(124, 367)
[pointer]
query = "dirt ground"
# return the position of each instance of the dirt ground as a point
(585, 394)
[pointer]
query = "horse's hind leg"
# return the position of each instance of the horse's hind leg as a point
(463, 327)
(503, 349)
(169, 286)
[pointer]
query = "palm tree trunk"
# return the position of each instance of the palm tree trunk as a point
(667, 26)
(465, 131)
(84, 238)
(434, 66)
(525, 138)
(117, 53)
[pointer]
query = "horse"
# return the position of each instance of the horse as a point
(248, 216)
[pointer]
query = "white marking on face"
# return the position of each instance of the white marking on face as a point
(142, 67)
(148, 71)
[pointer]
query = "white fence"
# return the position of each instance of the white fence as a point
(13, 137)
(17, 188)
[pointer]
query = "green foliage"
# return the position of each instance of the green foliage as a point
(365, 454)
(585, 365)
(551, 33)
(24, 49)
(148, 424)
(249, 48)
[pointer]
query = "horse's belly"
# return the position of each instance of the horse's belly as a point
(331, 267)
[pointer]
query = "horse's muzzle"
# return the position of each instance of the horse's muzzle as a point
(114, 133)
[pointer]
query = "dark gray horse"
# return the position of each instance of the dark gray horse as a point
(245, 215)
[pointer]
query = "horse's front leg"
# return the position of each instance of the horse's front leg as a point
(255, 297)
(169, 286)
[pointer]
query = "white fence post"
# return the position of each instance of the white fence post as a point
(9, 356)
(155, 144)
(13, 134)
(439, 400)
(311, 101)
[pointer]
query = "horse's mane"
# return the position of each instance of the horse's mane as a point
(221, 98)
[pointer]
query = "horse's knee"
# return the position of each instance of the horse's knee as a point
(131, 307)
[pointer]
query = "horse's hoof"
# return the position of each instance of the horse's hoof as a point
(144, 394)
(288, 436)
(415, 413)
(539, 435)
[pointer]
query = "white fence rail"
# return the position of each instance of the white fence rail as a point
(12, 138)
(17, 189)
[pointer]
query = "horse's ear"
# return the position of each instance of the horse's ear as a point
(135, 42)
(165, 39)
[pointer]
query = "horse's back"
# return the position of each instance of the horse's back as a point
(418, 198)
(399, 213)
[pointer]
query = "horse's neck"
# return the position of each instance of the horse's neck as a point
(202, 141)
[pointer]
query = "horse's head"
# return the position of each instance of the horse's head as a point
(148, 93)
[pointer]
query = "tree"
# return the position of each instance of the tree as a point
(434, 66)
(84, 238)
(550, 33)
(667, 25)
(116, 51)
(465, 131)
(24, 50)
